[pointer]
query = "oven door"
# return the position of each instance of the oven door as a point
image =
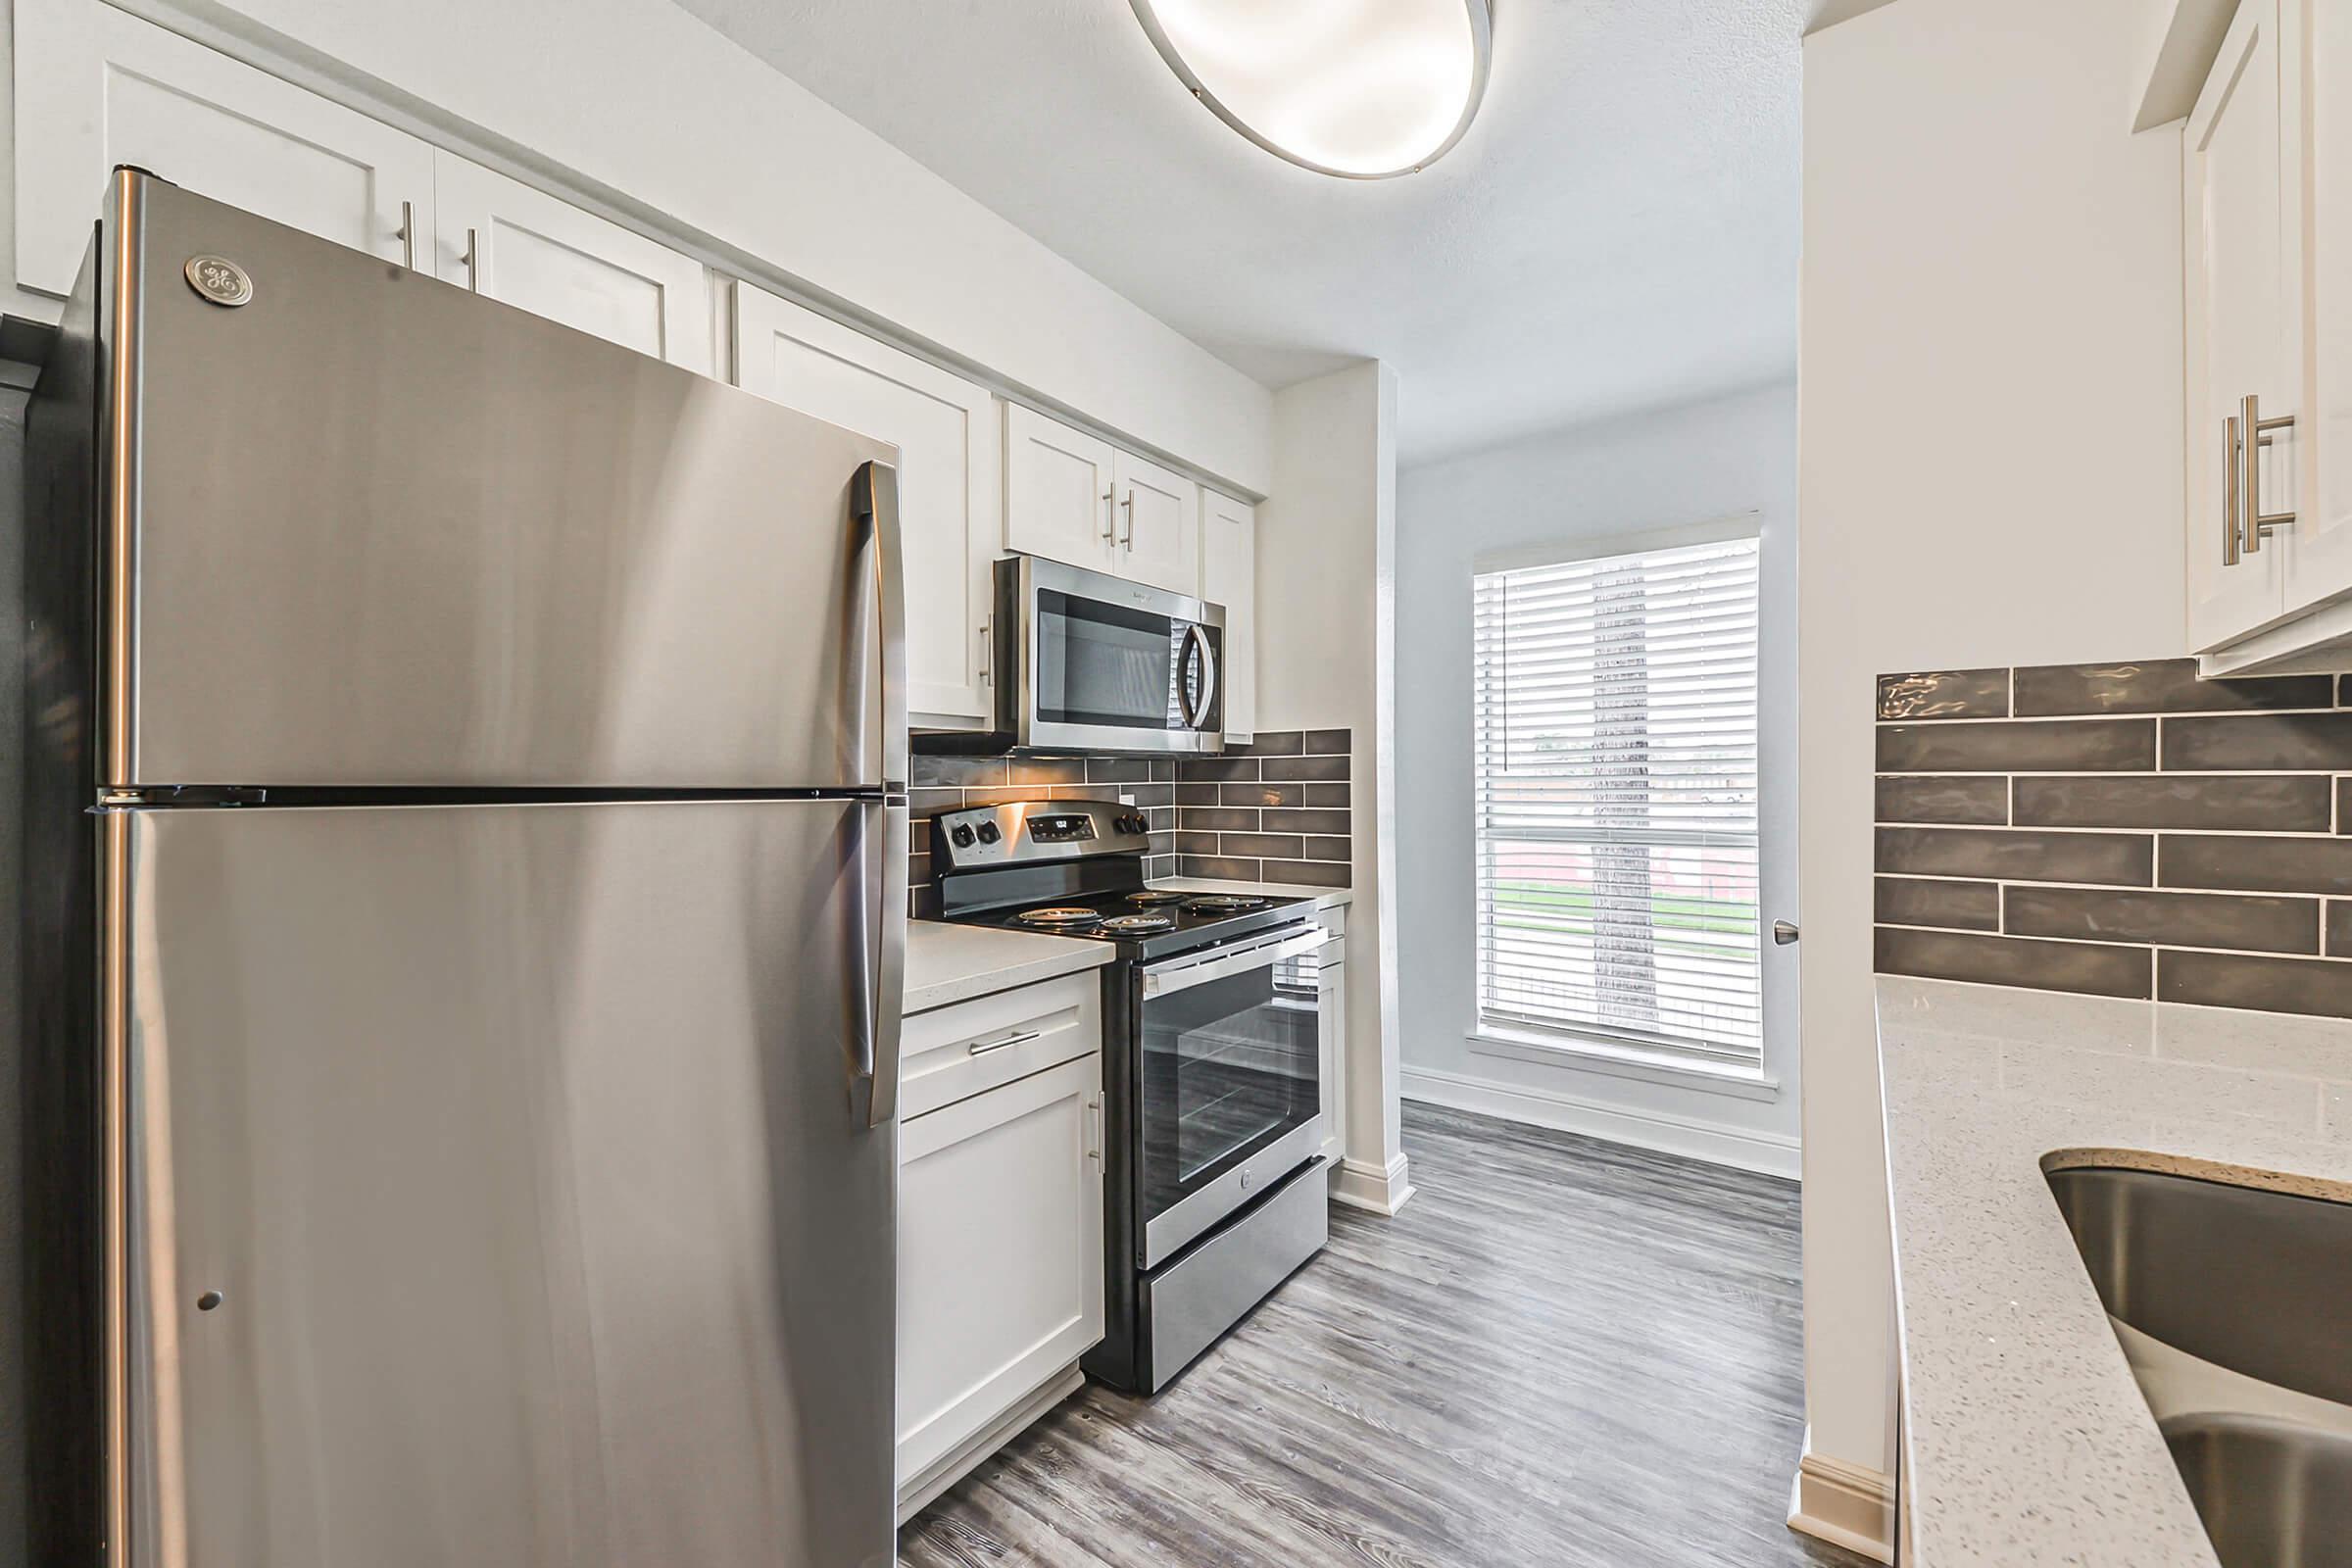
(1110, 665)
(1228, 1097)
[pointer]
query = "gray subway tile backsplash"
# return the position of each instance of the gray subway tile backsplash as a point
(2267, 802)
(2096, 968)
(1274, 811)
(2252, 922)
(2254, 864)
(1950, 903)
(2156, 686)
(1979, 799)
(2296, 742)
(2124, 860)
(2018, 746)
(1946, 694)
(1277, 811)
(2122, 829)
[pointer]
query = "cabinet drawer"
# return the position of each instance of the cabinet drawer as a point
(951, 1054)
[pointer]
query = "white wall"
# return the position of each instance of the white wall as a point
(652, 116)
(1625, 478)
(1326, 647)
(1990, 473)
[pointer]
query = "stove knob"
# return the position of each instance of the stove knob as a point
(989, 833)
(1136, 823)
(962, 834)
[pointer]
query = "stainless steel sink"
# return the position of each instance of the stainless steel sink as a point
(2273, 1494)
(2255, 1281)
(2233, 1307)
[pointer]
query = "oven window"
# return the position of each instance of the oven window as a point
(1229, 1066)
(1100, 663)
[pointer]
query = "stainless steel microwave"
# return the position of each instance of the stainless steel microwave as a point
(1087, 662)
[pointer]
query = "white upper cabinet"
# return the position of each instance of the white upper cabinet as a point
(1229, 578)
(1058, 491)
(2240, 248)
(2319, 566)
(944, 429)
(1158, 518)
(226, 130)
(500, 237)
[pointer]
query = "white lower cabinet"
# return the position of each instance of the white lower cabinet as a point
(1331, 1033)
(999, 1241)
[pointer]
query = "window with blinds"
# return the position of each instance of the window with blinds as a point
(1616, 801)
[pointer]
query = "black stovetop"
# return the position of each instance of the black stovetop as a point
(1147, 923)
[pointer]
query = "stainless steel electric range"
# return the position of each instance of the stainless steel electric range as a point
(1214, 1190)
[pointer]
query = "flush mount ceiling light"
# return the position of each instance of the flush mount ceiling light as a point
(1359, 88)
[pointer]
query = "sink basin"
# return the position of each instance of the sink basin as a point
(2271, 1494)
(2258, 1282)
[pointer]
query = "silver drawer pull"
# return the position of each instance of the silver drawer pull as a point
(1019, 1037)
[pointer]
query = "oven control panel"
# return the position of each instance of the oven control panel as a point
(1032, 832)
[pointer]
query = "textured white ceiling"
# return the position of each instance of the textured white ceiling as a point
(1618, 231)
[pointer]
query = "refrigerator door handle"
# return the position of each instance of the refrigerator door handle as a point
(874, 501)
(884, 919)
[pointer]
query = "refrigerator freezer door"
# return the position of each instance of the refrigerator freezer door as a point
(497, 1192)
(366, 528)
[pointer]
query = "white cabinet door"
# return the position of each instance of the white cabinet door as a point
(2241, 242)
(2318, 34)
(226, 130)
(1000, 1254)
(1331, 1035)
(1058, 491)
(1229, 578)
(944, 429)
(502, 238)
(1160, 524)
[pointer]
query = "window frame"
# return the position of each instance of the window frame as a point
(1590, 1049)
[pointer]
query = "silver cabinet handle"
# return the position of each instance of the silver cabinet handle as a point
(1094, 1130)
(1019, 1037)
(2229, 483)
(2253, 434)
(1110, 518)
(1784, 932)
(408, 236)
(473, 261)
(1128, 543)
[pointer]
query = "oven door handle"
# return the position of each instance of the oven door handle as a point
(1183, 975)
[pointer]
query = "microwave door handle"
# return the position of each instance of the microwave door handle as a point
(874, 505)
(1197, 643)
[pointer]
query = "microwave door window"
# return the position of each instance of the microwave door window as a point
(1105, 665)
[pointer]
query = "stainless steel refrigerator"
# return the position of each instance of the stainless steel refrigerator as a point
(467, 776)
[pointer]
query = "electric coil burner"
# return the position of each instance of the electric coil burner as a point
(1136, 925)
(1213, 1185)
(1225, 903)
(1060, 918)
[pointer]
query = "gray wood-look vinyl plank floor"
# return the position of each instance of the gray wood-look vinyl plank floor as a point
(1562, 1352)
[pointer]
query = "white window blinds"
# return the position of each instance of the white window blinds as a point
(1616, 801)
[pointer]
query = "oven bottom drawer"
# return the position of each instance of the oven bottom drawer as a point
(1186, 1306)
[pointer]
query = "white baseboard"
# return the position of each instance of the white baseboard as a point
(1717, 1142)
(1847, 1506)
(915, 1495)
(1383, 1189)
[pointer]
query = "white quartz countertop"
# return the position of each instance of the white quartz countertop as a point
(947, 964)
(1325, 898)
(2029, 1442)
